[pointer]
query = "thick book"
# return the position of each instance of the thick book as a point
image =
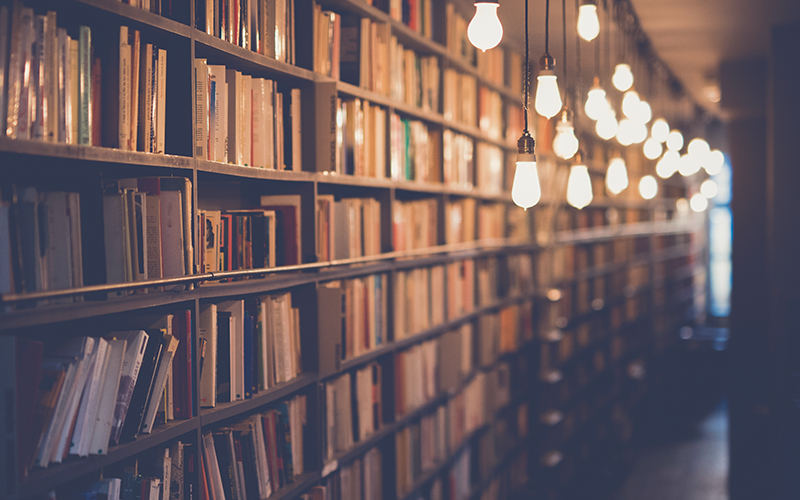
(136, 341)
(207, 331)
(144, 385)
(101, 433)
(170, 344)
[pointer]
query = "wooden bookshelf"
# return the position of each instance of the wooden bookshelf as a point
(39, 314)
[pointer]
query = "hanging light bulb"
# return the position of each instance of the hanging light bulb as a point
(626, 133)
(660, 130)
(643, 113)
(668, 164)
(596, 102)
(579, 184)
(639, 132)
(588, 23)
(698, 202)
(652, 149)
(616, 176)
(688, 165)
(623, 78)
(526, 191)
(648, 187)
(565, 144)
(485, 30)
(630, 103)
(675, 140)
(709, 189)
(699, 149)
(548, 98)
(607, 126)
(714, 161)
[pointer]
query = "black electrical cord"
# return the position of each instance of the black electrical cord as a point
(527, 77)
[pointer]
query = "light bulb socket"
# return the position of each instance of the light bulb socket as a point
(596, 83)
(526, 146)
(496, 2)
(589, 2)
(578, 158)
(566, 114)
(547, 62)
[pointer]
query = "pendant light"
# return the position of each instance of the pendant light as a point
(668, 164)
(596, 102)
(588, 23)
(607, 126)
(652, 149)
(714, 162)
(698, 148)
(548, 98)
(648, 187)
(616, 175)
(579, 184)
(675, 140)
(485, 30)
(623, 77)
(660, 130)
(526, 191)
(565, 143)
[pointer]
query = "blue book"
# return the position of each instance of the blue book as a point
(249, 388)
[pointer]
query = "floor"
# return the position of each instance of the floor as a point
(688, 465)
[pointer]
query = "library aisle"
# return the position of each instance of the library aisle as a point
(686, 464)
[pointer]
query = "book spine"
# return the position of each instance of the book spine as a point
(85, 86)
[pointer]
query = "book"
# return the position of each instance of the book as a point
(170, 344)
(144, 385)
(287, 210)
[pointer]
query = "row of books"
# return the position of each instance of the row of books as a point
(458, 162)
(168, 477)
(504, 331)
(418, 448)
(147, 228)
(250, 346)
(419, 302)
(362, 305)
(90, 392)
(263, 26)
(490, 167)
(456, 39)
(415, 376)
(70, 90)
(490, 112)
(246, 120)
(40, 240)
(347, 228)
(353, 408)
(415, 78)
(361, 479)
(415, 150)
(360, 138)
(416, 14)
(459, 103)
(415, 224)
(256, 457)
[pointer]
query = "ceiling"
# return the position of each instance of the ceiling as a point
(690, 36)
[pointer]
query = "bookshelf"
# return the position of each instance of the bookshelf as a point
(515, 291)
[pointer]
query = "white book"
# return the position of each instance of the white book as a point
(212, 468)
(218, 113)
(136, 343)
(236, 308)
(201, 125)
(207, 330)
(161, 101)
(90, 400)
(81, 349)
(265, 483)
(59, 249)
(124, 98)
(246, 117)
(258, 150)
(72, 93)
(160, 380)
(101, 432)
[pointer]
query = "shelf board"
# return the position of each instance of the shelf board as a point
(43, 149)
(298, 487)
(248, 61)
(129, 12)
(40, 481)
(34, 316)
(231, 170)
(223, 411)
